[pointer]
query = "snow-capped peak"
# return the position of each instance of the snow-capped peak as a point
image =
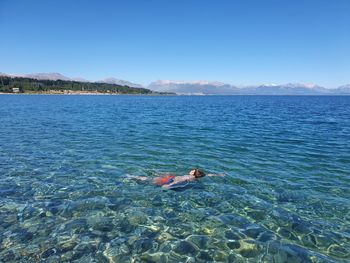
(196, 82)
(304, 85)
(112, 80)
(269, 85)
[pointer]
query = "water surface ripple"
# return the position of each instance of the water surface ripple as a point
(65, 195)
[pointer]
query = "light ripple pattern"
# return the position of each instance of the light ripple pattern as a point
(65, 195)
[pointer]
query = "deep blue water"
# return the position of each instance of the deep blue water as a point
(66, 195)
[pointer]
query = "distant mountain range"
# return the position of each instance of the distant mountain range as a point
(119, 82)
(58, 76)
(219, 88)
(204, 87)
(194, 87)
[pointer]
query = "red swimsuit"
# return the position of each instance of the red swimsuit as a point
(164, 180)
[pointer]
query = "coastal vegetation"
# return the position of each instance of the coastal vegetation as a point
(29, 85)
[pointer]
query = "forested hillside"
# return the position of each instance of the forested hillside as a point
(28, 85)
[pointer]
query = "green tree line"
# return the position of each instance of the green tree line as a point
(41, 86)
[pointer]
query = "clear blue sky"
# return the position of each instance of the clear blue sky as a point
(239, 42)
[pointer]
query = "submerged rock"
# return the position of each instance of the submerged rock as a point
(142, 245)
(338, 251)
(67, 257)
(288, 253)
(67, 242)
(287, 234)
(76, 226)
(309, 241)
(49, 252)
(266, 236)
(85, 248)
(28, 212)
(234, 220)
(8, 256)
(254, 232)
(23, 235)
(136, 217)
(164, 236)
(248, 248)
(8, 220)
(100, 223)
(225, 207)
(125, 227)
(31, 250)
(233, 245)
(158, 257)
(232, 235)
(117, 252)
(258, 215)
(199, 240)
(205, 256)
(220, 256)
(180, 231)
(184, 248)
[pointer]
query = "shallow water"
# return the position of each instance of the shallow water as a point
(65, 194)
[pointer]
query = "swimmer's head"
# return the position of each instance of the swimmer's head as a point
(197, 173)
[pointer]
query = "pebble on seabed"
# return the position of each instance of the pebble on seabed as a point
(184, 247)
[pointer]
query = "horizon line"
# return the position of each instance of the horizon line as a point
(178, 81)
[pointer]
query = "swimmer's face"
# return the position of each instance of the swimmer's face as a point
(196, 173)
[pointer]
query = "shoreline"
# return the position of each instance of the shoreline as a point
(181, 95)
(86, 94)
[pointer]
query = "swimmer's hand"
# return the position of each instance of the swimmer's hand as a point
(141, 178)
(216, 174)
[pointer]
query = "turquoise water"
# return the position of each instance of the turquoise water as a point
(65, 194)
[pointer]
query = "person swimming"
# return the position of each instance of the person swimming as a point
(171, 181)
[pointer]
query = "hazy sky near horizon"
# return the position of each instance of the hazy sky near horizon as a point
(241, 42)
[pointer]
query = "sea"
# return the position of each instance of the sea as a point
(68, 191)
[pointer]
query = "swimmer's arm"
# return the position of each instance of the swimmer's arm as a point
(177, 180)
(211, 175)
(167, 186)
(141, 178)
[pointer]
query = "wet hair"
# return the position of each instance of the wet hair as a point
(198, 173)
